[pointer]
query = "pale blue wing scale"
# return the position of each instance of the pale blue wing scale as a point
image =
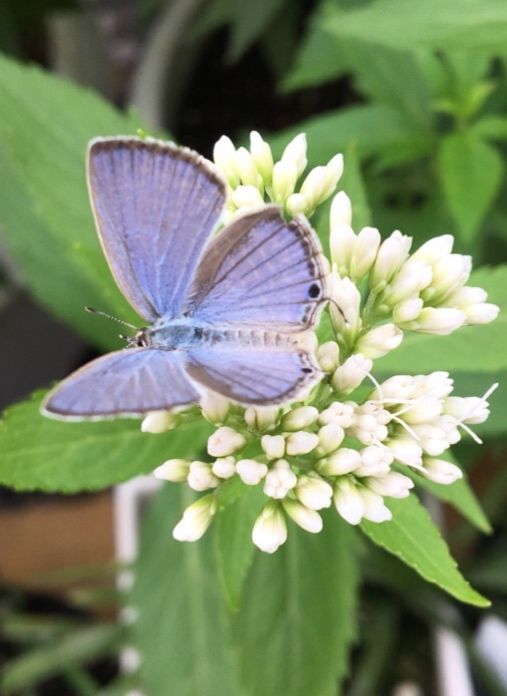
(155, 206)
(253, 377)
(127, 382)
(261, 271)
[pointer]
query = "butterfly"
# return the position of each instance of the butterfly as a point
(227, 312)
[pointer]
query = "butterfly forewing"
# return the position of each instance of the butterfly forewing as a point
(155, 206)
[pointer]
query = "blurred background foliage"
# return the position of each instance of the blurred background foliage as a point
(415, 95)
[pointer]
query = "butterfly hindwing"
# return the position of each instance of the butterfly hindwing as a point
(155, 206)
(127, 382)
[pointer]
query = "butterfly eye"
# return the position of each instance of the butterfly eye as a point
(141, 339)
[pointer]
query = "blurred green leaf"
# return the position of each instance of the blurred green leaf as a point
(182, 632)
(489, 570)
(373, 129)
(82, 645)
(491, 127)
(233, 540)
(472, 349)
(47, 225)
(37, 453)
(297, 615)
(471, 172)
(412, 536)
(454, 24)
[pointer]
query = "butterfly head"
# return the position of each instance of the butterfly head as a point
(142, 339)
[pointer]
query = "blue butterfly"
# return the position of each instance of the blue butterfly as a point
(225, 312)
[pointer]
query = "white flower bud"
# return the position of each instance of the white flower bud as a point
(225, 441)
(295, 153)
(450, 273)
(175, 470)
(436, 384)
(214, 407)
(328, 356)
(435, 248)
(423, 410)
(224, 156)
(246, 197)
(270, 530)
(350, 375)
(440, 471)
(307, 519)
(364, 252)
(375, 461)
(379, 341)
(374, 507)
(407, 310)
(314, 186)
(392, 254)
(338, 412)
(348, 298)
(284, 180)
(301, 442)
(224, 468)
(245, 165)
(314, 492)
(342, 242)
(392, 485)
(471, 409)
(413, 277)
(159, 422)
(196, 519)
(261, 153)
(440, 321)
(273, 446)
(481, 313)
(279, 480)
(251, 471)
(344, 461)
(200, 477)
(300, 418)
(348, 501)
(261, 418)
(330, 438)
(341, 210)
(334, 171)
(298, 203)
(406, 451)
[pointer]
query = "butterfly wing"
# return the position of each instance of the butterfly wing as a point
(155, 206)
(261, 271)
(127, 382)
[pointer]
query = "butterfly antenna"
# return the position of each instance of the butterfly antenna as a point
(92, 310)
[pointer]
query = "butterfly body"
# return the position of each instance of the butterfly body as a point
(229, 312)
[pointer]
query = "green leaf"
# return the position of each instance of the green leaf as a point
(454, 24)
(250, 19)
(472, 349)
(47, 225)
(182, 632)
(233, 540)
(491, 128)
(297, 615)
(373, 129)
(37, 453)
(471, 172)
(412, 536)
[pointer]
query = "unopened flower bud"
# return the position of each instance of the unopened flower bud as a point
(270, 530)
(328, 356)
(279, 480)
(480, 313)
(440, 471)
(440, 321)
(175, 470)
(413, 277)
(225, 441)
(407, 310)
(341, 210)
(330, 438)
(374, 508)
(200, 477)
(435, 248)
(314, 186)
(224, 468)
(301, 442)
(298, 203)
(273, 446)
(392, 485)
(347, 297)
(246, 197)
(224, 156)
(339, 412)
(379, 341)
(245, 165)
(159, 422)
(342, 242)
(295, 153)
(261, 418)
(392, 254)
(350, 375)
(314, 492)
(214, 407)
(406, 451)
(348, 501)
(284, 180)
(365, 252)
(375, 461)
(334, 171)
(261, 153)
(196, 519)
(344, 461)
(307, 519)
(251, 471)
(450, 273)
(300, 418)
(471, 409)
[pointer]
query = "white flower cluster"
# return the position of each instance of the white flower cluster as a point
(253, 176)
(347, 445)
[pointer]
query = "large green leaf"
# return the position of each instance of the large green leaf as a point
(182, 632)
(471, 172)
(412, 536)
(476, 349)
(453, 24)
(37, 453)
(297, 615)
(373, 129)
(45, 124)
